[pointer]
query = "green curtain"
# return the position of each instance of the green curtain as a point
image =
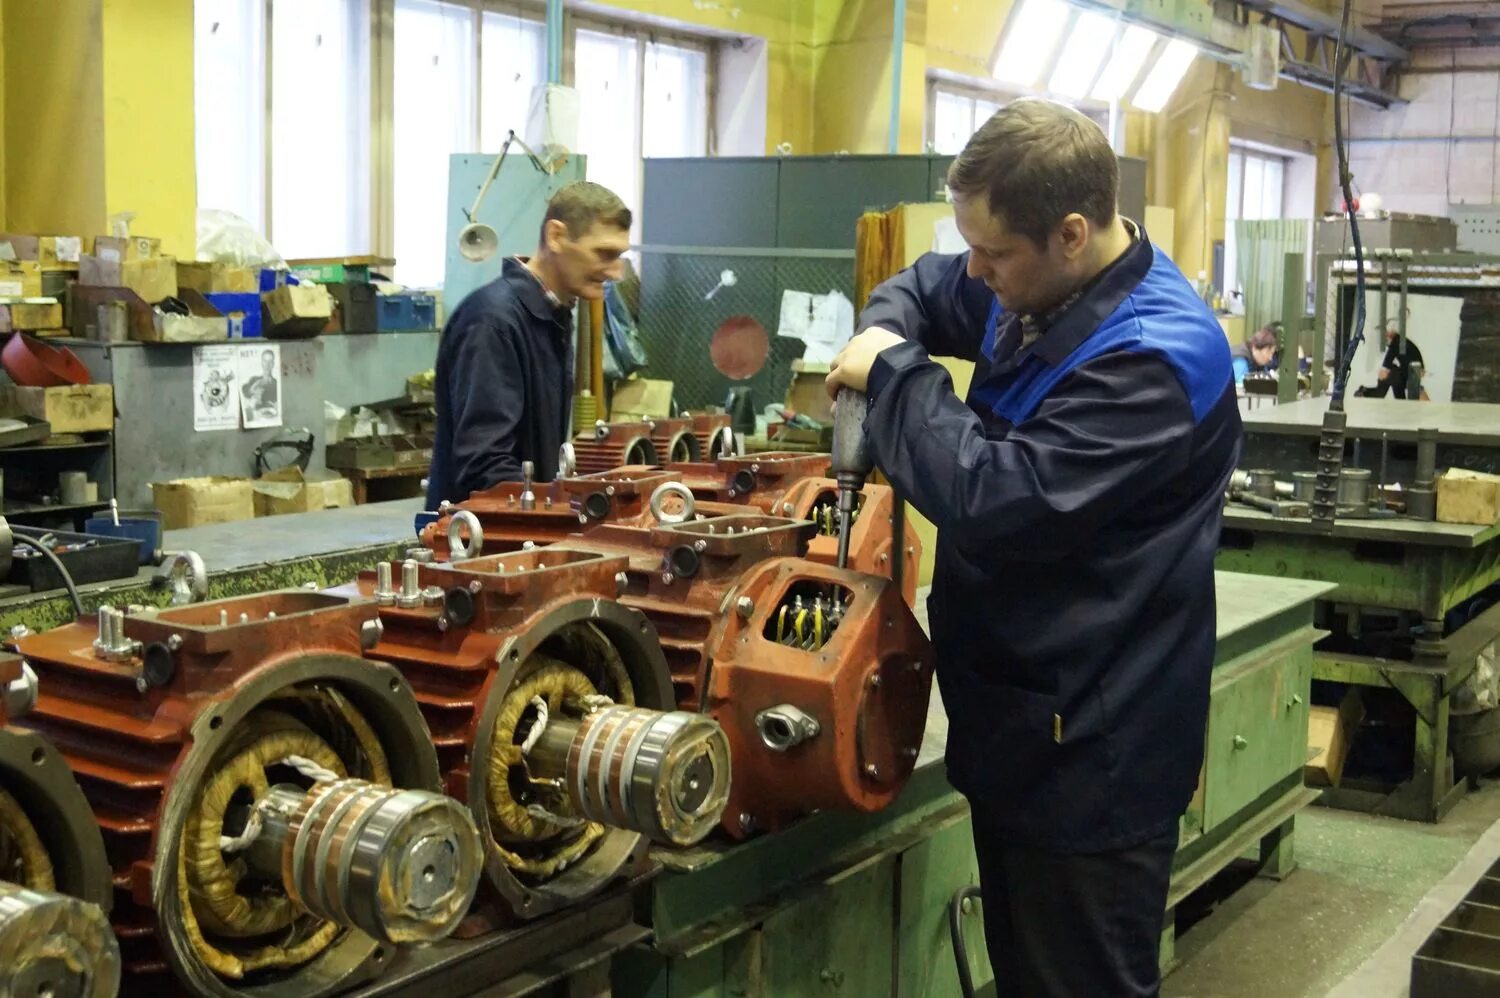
(1261, 249)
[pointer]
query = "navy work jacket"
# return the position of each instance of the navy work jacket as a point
(1077, 494)
(503, 389)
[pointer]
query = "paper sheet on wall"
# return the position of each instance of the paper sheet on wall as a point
(823, 322)
(260, 385)
(832, 325)
(215, 402)
(796, 314)
(945, 237)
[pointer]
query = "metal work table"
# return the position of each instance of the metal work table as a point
(803, 910)
(1388, 565)
(327, 547)
(1285, 436)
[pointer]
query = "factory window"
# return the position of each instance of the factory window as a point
(284, 112)
(281, 119)
(320, 114)
(513, 60)
(229, 93)
(1255, 191)
(434, 116)
(955, 116)
(640, 96)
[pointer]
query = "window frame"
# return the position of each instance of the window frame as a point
(975, 91)
(379, 50)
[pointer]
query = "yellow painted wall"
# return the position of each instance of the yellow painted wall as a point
(148, 119)
(1187, 148)
(961, 34)
(2, 118)
(54, 116)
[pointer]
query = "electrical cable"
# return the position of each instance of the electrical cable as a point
(960, 948)
(33, 535)
(1341, 378)
(1335, 420)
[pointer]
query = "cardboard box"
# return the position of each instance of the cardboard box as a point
(291, 490)
(807, 394)
(70, 408)
(30, 314)
(217, 278)
(20, 279)
(641, 398)
(192, 502)
(50, 252)
(297, 311)
(1330, 732)
(355, 453)
(128, 248)
(1468, 497)
(203, 324)
(152, 279)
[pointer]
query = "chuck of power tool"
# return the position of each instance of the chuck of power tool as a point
(851, 463)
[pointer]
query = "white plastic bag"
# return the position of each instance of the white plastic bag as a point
(224, 237)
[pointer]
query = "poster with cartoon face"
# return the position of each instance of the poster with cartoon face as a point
(215, 406)
(259, 385)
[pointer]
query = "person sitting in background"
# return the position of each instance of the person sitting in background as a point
(1256, 354)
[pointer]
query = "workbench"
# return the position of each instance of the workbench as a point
(1388, 566)
(859, 903)
(1285, 437)
(852, 902)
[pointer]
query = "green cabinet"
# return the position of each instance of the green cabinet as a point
(1257, 730)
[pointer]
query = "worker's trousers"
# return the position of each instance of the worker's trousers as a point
(1073, 925)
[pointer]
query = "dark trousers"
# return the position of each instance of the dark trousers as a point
(1069, 925)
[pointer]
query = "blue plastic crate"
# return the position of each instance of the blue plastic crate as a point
(270, 279)
(407, 312)
(243, 310)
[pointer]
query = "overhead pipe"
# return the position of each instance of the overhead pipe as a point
(554, 41)
(898, 42)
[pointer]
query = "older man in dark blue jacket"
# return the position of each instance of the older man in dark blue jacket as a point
(1077, 494)
(504, 385)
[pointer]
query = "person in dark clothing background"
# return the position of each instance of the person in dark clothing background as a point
(1078, 494)
(504, 384)
(1395, 367)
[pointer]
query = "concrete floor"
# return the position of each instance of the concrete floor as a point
(1351, 914)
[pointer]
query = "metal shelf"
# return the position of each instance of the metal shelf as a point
(34, 448)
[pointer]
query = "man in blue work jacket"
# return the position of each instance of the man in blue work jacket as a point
(504, 377)
(1077, 494)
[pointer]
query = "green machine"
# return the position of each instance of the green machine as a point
(859, 904)
(1408, 614)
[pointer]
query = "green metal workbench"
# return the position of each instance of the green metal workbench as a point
(326, 548)
(1421, 568)
(858, 903)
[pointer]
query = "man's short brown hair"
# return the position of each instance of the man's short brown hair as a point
(1039, 161)
(582, 204)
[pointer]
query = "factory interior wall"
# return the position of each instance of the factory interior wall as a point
(128, 145)
(1409, 163)
(54, 116)
(149, 152)
(78, 151)
(1186, 148)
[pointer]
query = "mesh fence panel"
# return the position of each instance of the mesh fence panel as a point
(677, 321)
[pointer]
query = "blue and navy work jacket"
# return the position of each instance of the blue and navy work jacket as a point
(1077, 494)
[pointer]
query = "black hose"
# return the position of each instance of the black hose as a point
(956, 929)
(31, 534)
(1341, 374)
